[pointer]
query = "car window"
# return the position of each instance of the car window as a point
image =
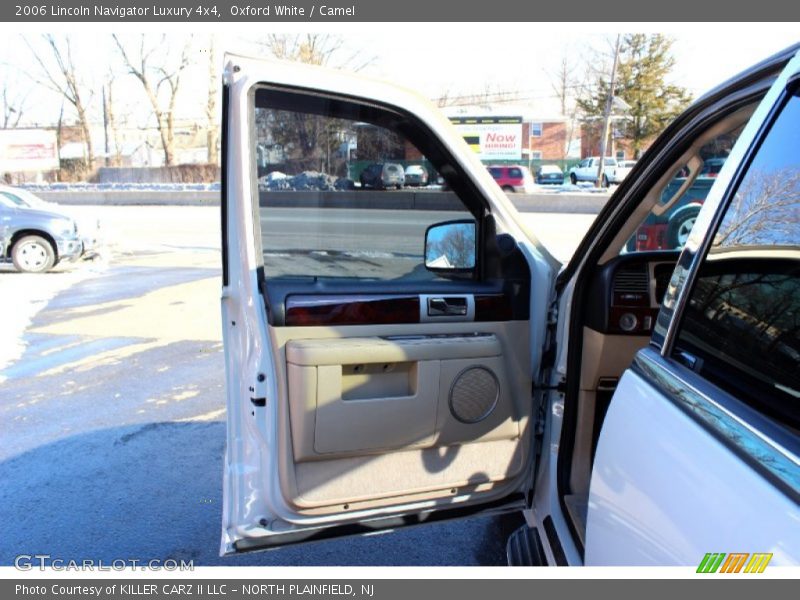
(610, 162)
(668, 225)
(332, 203)
(496, 172)
(515, 173)
(741, 326)
(13, 199)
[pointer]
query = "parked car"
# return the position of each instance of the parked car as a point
(89, 228)
(712, 166)
(512, 178)
(383, 176)
(36, 240)
(549, 174)
(640, 408)
(587, 169)
(670, 228)
(416, 175)
(623, 169)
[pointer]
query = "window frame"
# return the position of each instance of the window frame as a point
(697, 257)
(461, 184)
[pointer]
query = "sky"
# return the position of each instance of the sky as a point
(433, 58)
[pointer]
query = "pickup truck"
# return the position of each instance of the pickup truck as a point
(586, 170)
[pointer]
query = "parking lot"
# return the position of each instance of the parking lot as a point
(112, 404)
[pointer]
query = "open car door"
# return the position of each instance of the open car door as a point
(380, 339)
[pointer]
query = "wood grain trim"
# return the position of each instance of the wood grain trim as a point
(351, 310)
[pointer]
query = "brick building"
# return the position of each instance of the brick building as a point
(542, 137)
(619, 147)
(545, 138)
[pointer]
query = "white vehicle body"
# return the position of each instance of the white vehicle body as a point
(623, 169)
(587, 169)
(354, 424)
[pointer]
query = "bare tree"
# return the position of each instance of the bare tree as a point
(315, 49)
(489, 94)
(13, 108)
(112, 117)
(457, 246)
(212, 133)
(566, 82)
(764, 211)
(61, 77)
(159, 70)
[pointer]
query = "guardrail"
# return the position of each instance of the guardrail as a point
(366, 199)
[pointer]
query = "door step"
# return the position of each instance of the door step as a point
(524, 548)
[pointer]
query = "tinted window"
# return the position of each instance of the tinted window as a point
(330, 174)
(741, 327)
(495, 172)
(515, 173)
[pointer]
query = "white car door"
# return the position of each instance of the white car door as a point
(698, 458)
(380, 345)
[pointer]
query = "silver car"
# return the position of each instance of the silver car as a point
(36, 240)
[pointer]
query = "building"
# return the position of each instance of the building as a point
(505, 132)
(618, 146)
(27, 154)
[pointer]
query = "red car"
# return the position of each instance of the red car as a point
(512, 178)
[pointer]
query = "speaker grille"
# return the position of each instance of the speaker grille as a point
(474, 394)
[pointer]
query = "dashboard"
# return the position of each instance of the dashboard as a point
(626, 292)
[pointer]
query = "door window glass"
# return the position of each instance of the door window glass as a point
(333, 200)
(741, 327)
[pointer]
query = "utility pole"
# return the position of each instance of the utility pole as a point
(607, 115)
(105, 124)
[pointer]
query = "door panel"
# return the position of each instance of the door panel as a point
(363, 386)
(371, 415)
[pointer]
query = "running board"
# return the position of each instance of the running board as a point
(524, 548)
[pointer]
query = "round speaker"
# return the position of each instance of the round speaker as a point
(474, 394)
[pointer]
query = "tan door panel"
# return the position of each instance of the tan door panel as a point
(381, 414)
(381, 421)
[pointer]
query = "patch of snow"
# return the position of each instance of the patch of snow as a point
(305, 181)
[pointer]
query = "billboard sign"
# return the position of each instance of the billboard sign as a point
(493, 138)
(28, 150)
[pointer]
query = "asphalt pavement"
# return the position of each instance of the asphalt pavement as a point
(112, 410)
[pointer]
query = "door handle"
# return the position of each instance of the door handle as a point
(447, 307)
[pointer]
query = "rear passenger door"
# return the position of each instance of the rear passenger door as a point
(699, 452)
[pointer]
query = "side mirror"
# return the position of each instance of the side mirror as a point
(450, 247)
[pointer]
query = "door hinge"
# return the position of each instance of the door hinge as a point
(560, 387)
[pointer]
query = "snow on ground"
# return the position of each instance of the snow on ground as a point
(23, 295)
(120, 187)
(276, 180)
(305, 181)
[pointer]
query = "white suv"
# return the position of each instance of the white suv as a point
(433, 361)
